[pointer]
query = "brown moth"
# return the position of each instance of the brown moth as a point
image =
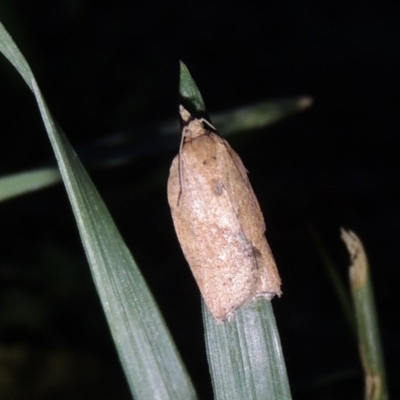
(218, 221)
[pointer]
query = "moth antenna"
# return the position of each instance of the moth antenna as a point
(180, 167)
(204, 121)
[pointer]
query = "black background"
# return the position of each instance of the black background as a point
(111, 68)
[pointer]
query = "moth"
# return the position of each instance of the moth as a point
(219, 222)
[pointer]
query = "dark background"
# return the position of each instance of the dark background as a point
(107, 69)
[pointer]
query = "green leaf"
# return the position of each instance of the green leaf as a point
(16, 184)
(245, 355)
(151, 362)
(189, 91)
(259, 115)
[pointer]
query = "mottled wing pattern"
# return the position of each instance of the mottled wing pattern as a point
(252, 223)
(220, 225)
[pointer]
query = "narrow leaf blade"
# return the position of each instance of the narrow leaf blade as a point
(245, 355)
(25, 182)
(150, 360)
(367, 319)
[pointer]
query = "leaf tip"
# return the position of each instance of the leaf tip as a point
(189, 92)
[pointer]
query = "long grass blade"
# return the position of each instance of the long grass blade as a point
(151, 362)
(366, 318)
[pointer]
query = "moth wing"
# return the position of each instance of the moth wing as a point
(252, 223)
(206, 221)
(242, 195)
(220, 225)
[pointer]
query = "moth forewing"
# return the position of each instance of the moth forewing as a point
(218, 222)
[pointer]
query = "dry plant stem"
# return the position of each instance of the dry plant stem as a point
(218, 221)
(367, 324)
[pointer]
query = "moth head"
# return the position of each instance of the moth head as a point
(185, 114)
